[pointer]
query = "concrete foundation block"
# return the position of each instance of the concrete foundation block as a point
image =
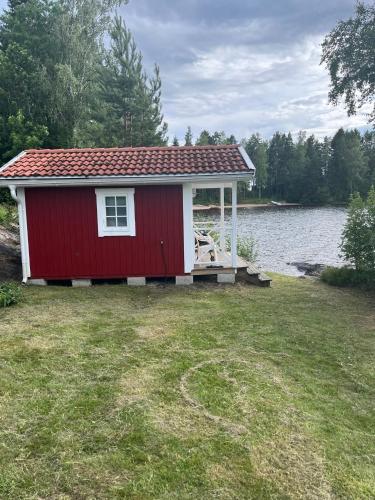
(81, 283)
(136, 281)
(37, 282)
(184, 280)
(226, 278)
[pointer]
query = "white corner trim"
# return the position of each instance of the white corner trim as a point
(13, 160)
(103, 230)
(19, 196)
(247, 159)
(234, 225)
(188, 227)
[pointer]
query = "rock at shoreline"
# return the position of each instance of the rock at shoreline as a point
(309, 269)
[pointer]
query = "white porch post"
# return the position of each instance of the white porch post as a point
(188, 227)
(234, 225)
(222, 220)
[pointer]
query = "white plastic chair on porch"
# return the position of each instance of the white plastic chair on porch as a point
(205, 248)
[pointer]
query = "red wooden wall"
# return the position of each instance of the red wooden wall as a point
(64, 242)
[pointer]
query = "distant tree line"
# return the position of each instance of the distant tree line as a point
(304, 170)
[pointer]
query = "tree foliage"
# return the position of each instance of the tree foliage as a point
(61, 86)
(189, 137)
(133, 99)
(24, 135)
(358, 243)
(256, 148)
(349, 54)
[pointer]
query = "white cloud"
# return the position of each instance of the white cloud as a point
(241, 91)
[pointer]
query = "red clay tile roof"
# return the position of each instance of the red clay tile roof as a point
(128, 162)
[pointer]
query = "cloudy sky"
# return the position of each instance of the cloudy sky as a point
(241, 66)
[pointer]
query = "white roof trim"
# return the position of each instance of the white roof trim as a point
(247, 159)
(13, 160)
(124, 180)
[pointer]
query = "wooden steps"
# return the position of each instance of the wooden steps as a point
(245, 271)
(254, 275)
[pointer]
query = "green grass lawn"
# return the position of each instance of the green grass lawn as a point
(202, 392)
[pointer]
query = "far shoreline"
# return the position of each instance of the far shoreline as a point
(247, 205)
(207, 208)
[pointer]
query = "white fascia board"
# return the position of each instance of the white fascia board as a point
(123, 180)
(13, 160)
(212, 185)
(247, 159)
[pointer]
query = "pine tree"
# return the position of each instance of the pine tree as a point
(189, 137)
(133, 98)
(347, 166)
(313, 181)
(256, 148)
(175, 141)
(204, 139)
(280, 157)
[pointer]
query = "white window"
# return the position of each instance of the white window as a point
(115, 208)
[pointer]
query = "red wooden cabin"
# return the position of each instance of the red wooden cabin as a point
(122, 213)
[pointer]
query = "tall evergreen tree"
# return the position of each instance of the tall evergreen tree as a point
(204, 139)
(133, 98)
(256, 148)
(347, 166)
(280, 157)
(313, 181)
(189, 137)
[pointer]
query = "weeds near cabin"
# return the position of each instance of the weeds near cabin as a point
(247, 248)
(8, 215)
(205, 392)
(10, 294)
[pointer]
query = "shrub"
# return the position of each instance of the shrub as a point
(346, 276)
(10, 293)
(246, 248)
(358, 239)
(8, 215)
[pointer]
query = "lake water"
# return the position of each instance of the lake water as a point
(292, 235)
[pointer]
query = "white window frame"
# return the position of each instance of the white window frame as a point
(103, 230)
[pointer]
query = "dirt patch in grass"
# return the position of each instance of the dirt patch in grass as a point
(137, 385)
(291, 460)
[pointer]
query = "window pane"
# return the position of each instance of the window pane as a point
(122, 222)
(111, 221)
(110, 211)
(110, 201)
(121, 201)
(121, 212)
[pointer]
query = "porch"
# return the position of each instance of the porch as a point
(211, 245)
